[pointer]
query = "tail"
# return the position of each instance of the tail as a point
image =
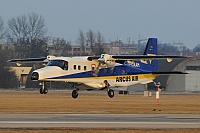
(150, 50)
(151, 47)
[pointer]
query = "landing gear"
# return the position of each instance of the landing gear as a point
(43, 90)
(75, 94)
(111, 93)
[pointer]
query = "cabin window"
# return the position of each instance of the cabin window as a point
(65, 67)
(92, 68)
(60, 63)
(79, 67)
(85, 68)
(74, 67)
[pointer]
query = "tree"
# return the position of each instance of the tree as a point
(7, 77)
(197, 48)
(99, 44)
(24, 31)
(91, 38)
(2, 32)
(95, 41)
(38, 48)
(62, 46)
(36, 26)
(167, 48)
(81, 40)
(185, 49)
(17, 28)
(66, 49)
(31, 26)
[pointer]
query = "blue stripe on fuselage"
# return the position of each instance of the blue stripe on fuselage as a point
(125, 69)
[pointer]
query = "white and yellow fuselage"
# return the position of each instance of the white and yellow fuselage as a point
(81, 70)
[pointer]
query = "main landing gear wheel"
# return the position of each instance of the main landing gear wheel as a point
(43, 90)
(111, 93)
(75, 94)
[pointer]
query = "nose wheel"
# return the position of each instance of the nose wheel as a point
(75, 94)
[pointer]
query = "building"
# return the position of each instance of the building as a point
(121, 49)
(22, 74)
(188, 82)
(7, 46)
(176, 83)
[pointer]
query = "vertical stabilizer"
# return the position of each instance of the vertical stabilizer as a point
(151, 47)
(150, 50)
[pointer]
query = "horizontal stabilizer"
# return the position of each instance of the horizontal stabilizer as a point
(168, 73)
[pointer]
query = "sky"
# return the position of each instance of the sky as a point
(168, 20)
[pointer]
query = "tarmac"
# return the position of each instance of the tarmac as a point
(99, 121)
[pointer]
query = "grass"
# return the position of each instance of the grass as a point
(23, 102)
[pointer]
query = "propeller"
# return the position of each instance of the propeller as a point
(107, 60)
(104, 60)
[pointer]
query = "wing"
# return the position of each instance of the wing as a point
(32, 60)
(144, 57)
(28, 60)
(43, 60)
(121, 58)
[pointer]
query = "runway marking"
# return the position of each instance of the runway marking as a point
(89, 122)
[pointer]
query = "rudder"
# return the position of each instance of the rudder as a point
(151, 47)
(150, 50)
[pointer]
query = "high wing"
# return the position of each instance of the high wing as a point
(122, 58)
(137, 57)
(31, 60)
(112, 57)
(143, 57)
(28, 60)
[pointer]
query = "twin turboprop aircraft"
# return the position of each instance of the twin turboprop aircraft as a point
(101, 72)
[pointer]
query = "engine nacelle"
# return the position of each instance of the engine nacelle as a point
(107, 59)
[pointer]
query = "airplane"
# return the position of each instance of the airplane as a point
(103, 72)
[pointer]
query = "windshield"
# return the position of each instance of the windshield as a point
(60, 63)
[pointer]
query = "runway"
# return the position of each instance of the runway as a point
(99, 120)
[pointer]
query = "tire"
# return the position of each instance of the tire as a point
(74, 94)
(45, 91)
(41, 91)
(111, 93)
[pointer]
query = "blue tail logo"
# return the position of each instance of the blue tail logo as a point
(151, 47)
(150, 50)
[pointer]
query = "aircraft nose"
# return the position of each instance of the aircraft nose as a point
(34, 76)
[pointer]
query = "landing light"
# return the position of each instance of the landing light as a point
(169, 59)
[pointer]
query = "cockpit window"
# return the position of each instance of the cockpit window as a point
(60, 63)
